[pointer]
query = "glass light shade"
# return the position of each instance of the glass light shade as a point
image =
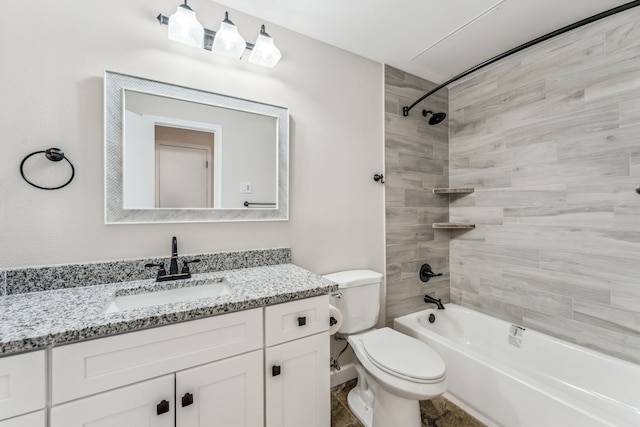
(265, 52)
(185, 28)
(228, 41)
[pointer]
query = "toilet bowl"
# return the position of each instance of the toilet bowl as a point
(395, 371)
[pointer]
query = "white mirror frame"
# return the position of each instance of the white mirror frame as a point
(115, 85)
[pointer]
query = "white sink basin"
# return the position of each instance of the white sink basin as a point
(182, 292)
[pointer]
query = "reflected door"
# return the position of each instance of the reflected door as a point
(183, 177)
(184, 159)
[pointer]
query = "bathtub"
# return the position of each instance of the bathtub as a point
(508, 376)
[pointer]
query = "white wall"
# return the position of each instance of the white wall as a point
(53, 56)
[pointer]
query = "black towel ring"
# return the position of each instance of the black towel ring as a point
(55, 155)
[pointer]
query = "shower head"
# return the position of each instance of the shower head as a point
(435, 117)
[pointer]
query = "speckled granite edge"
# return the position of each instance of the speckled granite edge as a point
(46, 278)
(36, 320)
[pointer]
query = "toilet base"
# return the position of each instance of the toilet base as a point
(362, 411)
(383, 409)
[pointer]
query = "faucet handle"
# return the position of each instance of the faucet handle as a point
(426, 273)
(161, 271)
(185, 264)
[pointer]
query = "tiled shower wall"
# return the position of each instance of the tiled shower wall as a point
(550, 139)
(416, 161)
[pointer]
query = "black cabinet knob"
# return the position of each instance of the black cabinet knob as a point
(275, 370)
(187, 399)
(302, 320)
(162, 407)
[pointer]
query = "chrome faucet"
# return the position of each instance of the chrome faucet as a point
(437, 302)
(173, 266)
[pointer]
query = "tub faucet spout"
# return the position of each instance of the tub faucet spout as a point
(437, 302)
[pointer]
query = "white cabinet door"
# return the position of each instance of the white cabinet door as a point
(22, 384)
(35, 419)
(137, 405)
(297, 383)
(228, 393)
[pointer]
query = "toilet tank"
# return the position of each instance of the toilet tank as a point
(360, 299)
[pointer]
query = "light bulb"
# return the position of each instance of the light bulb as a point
(265, 52)
(228, 41)
(185, 28)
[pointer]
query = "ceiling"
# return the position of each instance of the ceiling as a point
(433, 39)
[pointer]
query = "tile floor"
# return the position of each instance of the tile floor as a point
(438, 412)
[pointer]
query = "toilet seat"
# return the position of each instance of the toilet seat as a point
(403, 356)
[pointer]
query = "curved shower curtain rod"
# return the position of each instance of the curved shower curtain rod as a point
(594, 18)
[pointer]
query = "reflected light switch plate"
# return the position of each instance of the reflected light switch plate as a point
(245, 187)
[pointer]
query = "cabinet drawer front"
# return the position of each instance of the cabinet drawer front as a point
(35, 419)
(134, 405)
(296, 319)
(22, 384)
(93, 366)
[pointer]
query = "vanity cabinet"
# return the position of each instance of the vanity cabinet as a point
(296, 364)
(264, 367)
(22, 390)
(225, 393)
(155, 368)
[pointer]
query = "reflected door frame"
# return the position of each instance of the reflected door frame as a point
(217, 148)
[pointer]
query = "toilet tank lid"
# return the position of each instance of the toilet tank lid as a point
(350, 278)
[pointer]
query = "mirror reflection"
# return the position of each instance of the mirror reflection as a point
(181, 154)
(176, 154)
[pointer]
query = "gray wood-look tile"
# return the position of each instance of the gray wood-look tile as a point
(608, 317)
(522, 296)
(491, 306)
(554, 282)
(618, 344)
(626, 295)
(550, 140)
(417, 160)
(605, 267)
(412, 163)
(476, 215)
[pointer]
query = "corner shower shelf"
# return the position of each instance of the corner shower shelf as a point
(461, 190)
(453, 225)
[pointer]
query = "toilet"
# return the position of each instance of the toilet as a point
(394, 370)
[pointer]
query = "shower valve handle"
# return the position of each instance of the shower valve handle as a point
(426, 273)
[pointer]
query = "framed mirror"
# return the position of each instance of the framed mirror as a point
(176, 154)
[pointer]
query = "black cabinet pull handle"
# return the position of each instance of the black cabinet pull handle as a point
(187, 399)
(162, 407)
(302, 320)
(275, 370)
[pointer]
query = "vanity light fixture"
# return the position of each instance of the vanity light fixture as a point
(185, 28)
(265, 52)
(227, 41)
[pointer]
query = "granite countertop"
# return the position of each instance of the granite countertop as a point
(39, 319)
